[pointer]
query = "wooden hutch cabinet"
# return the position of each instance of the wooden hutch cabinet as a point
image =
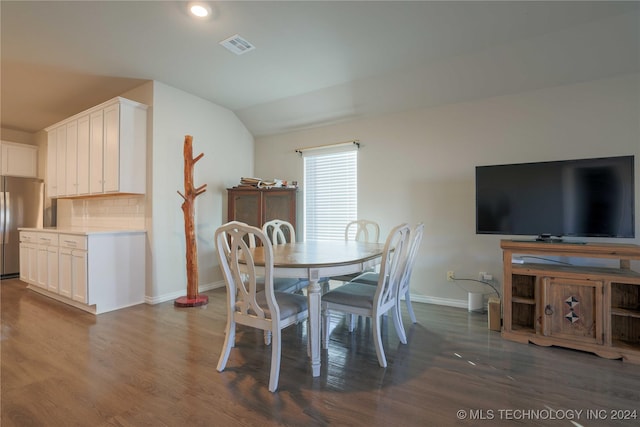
(589, 308)
(255, 206)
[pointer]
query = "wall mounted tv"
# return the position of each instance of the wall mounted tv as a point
(581, 198)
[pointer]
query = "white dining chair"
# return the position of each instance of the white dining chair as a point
(359, 299)
(371, 278)
(364, 229)
(361, 230)
(265, 309)
(279, 231)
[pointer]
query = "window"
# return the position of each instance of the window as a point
(330, 193)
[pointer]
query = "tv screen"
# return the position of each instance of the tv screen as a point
(582, 198)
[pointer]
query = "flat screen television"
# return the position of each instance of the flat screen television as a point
(581, 198)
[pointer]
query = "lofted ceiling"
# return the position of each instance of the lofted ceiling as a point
(315, 63)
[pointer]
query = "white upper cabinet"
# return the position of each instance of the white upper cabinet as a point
(96, 144)
(18, 159)
(51, 183)
(83, 155)
(71, 159)
(104, 151)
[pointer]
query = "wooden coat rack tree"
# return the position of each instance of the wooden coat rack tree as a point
(192, 299)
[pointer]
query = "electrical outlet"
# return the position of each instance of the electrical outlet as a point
(485, 276)
(450, 276)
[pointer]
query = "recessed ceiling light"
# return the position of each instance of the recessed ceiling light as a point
(199, 10)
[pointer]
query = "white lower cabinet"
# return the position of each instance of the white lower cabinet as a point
(73, 266)
(97, 272)
(47, 263)
(29, 257)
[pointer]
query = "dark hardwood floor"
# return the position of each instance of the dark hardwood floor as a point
(156, 366)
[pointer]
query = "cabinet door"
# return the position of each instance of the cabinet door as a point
(279, 205)
(83, 155)
(111, 160)
(32, 273)
(79, 275)
(24, 262)
(71, 160)
(52, 269)
(96, 153)
(41, 279)
(61, 160)
(18, 159)
(52, 155)
(65, 272)
(573, 309)
(244, 206)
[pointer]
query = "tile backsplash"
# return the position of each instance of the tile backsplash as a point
(122, 212)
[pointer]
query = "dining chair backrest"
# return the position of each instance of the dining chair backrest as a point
(410, 259)
(238, 268)
(365, 230)
(279, 231)
(392, 267)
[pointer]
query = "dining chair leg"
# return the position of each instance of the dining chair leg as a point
(407, 299)
(275, 360)
(351, 321)
(229, 341)
(326, 322)
(397, 321)
(377, 339)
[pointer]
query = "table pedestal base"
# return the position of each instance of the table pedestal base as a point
(191, 302)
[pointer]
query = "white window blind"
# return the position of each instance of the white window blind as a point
(330, 193)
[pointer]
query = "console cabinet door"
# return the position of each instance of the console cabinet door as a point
(573, 309)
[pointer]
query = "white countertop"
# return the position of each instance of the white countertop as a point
(84, 231)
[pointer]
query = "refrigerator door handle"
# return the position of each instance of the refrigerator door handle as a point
(2, 218)
(7, 217)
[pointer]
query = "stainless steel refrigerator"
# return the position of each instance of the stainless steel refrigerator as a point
(21, 205)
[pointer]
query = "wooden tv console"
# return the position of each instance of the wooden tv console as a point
(595, 309)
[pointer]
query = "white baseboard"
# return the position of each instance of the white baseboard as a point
(175, 295)
(202, 288)
(440, 301)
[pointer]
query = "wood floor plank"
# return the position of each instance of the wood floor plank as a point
(156, 366)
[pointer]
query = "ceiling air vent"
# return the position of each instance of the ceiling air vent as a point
(237, 45)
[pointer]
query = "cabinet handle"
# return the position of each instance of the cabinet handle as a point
(548, 310)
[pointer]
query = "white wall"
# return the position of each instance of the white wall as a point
(419, 165)
(228, 154)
